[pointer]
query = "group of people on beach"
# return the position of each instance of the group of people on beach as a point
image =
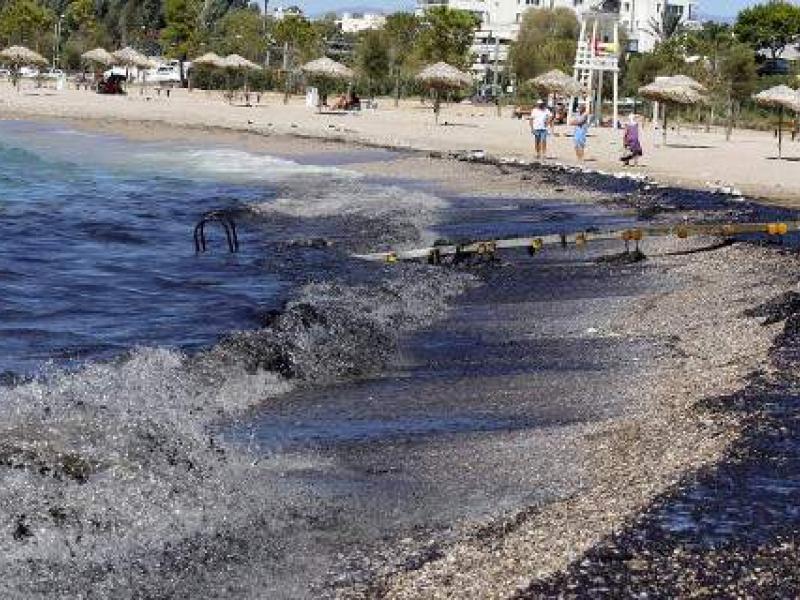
(541, 121)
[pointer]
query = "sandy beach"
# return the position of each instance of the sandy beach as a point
(693, 158)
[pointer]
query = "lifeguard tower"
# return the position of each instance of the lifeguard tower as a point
(598, 54)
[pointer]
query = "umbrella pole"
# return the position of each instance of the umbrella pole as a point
(780, 133)
(664, 130)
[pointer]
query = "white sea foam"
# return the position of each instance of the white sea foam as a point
(112, 476)
(229, 164)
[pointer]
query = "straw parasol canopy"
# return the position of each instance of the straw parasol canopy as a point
(557, 82)
(234, 61)
(325, 70)
(679, 90)
(210, 59)
(783, 98)
(671, 91)
(99, 56)
(21, 56)
(685, 80)
(442, 76)
(326, 67)
(128, 57)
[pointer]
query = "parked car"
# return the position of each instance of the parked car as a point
(53, 74)
(165, 74)
(29, 72)
(775, 66)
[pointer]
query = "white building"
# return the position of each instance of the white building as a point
(281, 12)
(354, 23)
(500, 21)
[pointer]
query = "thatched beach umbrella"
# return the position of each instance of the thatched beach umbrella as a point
(99, 56)
(685, 80)
(128, 57)
(20, 56)
(678, 91)
(326, 67)
(210, 59)
(441, 77)
(783, 98)
(557, 82)
(325, 71)
(234, 62)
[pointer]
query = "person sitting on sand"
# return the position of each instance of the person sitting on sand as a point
(540, 120)
(581, 124)
(631, 143)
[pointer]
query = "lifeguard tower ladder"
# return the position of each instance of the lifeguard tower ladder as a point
(598, 54)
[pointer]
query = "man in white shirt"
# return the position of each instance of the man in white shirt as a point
(540, 121)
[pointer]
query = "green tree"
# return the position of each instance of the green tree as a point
(299, 41)
(739, 77)
(182, 33)
(667, 59)
(214, 11)
(402, 33)
(373, 57)
(547, 40)
(27, 23)
(298, 37)
(710, 45)
(771, 26)
(241, 31)
(446, 35)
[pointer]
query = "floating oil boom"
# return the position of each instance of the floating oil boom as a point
(434, 254)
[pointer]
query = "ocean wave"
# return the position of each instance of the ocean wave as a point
(112, 477)
(228, 164)
(385, 215)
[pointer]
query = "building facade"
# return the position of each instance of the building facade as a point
(355, 22)
(500, 20)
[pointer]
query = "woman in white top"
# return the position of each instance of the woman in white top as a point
(540, 120)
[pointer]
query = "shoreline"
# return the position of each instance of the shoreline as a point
(407, 130)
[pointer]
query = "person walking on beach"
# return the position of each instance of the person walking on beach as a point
(581, 124)
(540, 120)
(631, 143)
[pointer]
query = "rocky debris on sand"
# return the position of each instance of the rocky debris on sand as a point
(777, 309)
(709, 349)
